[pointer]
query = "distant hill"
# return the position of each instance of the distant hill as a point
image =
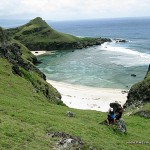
(38, 35)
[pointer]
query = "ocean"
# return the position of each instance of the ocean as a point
(107, 66)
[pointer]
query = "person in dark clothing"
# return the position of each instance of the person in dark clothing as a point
(119, 112)
(111, 116)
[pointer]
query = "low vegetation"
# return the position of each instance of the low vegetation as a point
(28, 114)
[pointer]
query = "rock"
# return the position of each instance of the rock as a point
(124, 92)
(67, 141)
(133, 75)
(121, 125)
(70, 114)
(120, 40)
(15, 70)
(145, 114)
(91, 148)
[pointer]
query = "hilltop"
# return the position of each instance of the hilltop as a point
(38, 35)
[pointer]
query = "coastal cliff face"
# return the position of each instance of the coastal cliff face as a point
(22, 65)
(38, 35)
(140, 92)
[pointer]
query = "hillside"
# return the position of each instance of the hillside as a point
(30, 118)
(139, 95)
(21, 63)
(38, 35)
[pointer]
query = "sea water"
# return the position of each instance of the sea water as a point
(109, 65)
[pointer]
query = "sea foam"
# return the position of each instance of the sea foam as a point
(126, 57)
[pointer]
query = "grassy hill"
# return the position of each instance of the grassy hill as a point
(26, 117)
(28, 111)
(38, 30)
(38, 35)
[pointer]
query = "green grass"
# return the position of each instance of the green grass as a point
(26, 117)
(37, 30)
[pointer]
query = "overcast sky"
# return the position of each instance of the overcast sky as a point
(73, 9)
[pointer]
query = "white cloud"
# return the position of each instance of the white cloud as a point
(73, 9)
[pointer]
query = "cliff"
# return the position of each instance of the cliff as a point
(38, 35)
(22, 65)
(140, 92)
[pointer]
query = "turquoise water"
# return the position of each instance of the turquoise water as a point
(109, 65)
(91, 67)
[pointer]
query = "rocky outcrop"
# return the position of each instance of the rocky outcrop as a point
(66, 141)
(145, 114)
(139, 93)
(49, 46)
(25, 68)
(120, 40)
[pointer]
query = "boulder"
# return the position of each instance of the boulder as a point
(70, 114)
(133, 75)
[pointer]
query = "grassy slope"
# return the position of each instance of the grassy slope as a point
(26, 117)
(37, 30)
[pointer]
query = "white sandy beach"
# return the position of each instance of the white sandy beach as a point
(40, 52)
(36, 53)
(88, 98)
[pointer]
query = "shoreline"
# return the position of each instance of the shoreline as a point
(37, 53)
(88, 98)
(40, 52)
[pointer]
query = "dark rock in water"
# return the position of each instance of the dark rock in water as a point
(36, 52)
(120, 40)
(133, 75)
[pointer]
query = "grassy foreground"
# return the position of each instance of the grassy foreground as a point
(26, 117)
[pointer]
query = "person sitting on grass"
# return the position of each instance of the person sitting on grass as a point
(119, 112)
(111, 116)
